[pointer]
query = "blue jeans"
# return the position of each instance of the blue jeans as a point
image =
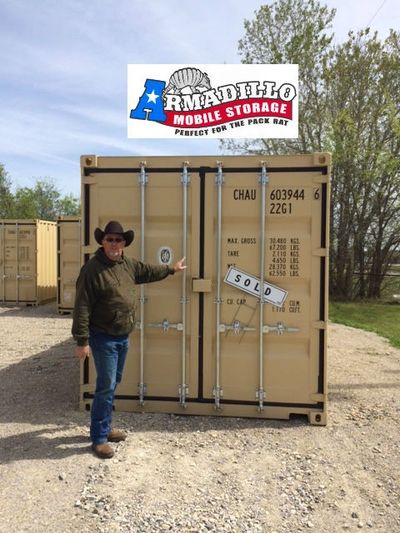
(109, 354)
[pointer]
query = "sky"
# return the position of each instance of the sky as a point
(63, 72)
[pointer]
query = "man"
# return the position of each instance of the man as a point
(104, 315)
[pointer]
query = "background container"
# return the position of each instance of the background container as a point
(28, 273)
(203, 345)
(68, 261)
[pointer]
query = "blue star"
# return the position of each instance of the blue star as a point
(152, 97)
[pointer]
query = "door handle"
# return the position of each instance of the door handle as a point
(201, 285)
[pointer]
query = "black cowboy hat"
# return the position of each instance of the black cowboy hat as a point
(114, 227)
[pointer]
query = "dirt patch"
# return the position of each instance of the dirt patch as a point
(193, 474)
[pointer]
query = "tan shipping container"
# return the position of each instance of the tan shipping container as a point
(68, 261)
(28, 261)
(206, 341)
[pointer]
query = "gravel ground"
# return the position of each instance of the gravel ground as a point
(194, 474)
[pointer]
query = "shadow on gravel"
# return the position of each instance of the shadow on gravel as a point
(42, 390)
(47, 309)
(42, 444)
(360, 386)
(171, 423)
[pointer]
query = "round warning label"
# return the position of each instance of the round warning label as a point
(165, 255)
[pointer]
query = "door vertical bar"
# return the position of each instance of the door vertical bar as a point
(185, 180)
(260, 393)
(35, 275)
(3, 226)
(143, 179)
(16, 263)
(218, 392)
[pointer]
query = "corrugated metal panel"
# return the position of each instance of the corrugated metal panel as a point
(68, 261)
(28, 261)
(207, 346)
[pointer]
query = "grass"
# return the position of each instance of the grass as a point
(381, 318)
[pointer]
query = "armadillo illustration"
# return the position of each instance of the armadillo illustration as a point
(187, 77)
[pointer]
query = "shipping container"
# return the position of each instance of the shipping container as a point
(68, 261)
(242, 331)
(28, 257)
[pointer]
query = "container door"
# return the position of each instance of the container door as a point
(18, 245)
(269, 224)
(69, 260)
(161, 205)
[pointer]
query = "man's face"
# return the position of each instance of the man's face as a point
(113, 244)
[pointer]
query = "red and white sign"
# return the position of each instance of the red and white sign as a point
(212, 101)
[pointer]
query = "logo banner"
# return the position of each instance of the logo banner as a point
(212, 101)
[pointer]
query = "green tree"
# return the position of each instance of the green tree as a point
(349, 104)
(43, 201)
(38, 202)
(363, 77)
(292, 31)
(6, 197)
(68, 205)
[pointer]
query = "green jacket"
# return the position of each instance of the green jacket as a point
(105, 299)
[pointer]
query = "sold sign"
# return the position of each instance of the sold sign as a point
(250, 284)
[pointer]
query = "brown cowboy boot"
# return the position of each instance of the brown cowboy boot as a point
(116, 436)
(103, 451)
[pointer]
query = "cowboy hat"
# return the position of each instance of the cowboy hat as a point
(114, 227)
